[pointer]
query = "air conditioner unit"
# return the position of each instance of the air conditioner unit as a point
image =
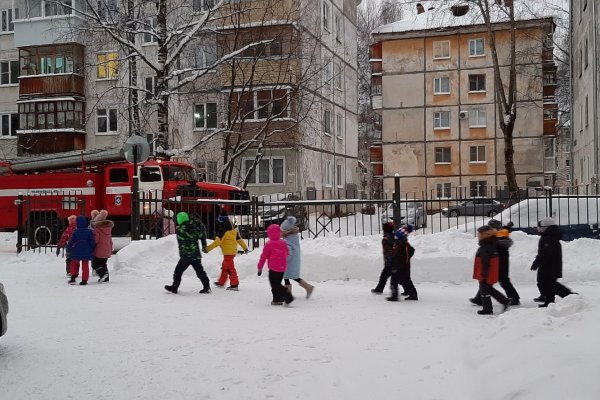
(463, 115)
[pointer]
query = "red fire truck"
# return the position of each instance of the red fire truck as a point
(59, 185)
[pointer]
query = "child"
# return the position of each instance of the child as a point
(387, 244)
(290, 234)
(400, 265)
(503, 243)
(64, 239)
(104, 245)
(93, 216)
(275, 253)
(188, 234)
(548, 262)
(486, 270)
(228, 240)
(81, 247)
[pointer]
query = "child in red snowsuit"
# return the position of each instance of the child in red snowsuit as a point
(64, 239)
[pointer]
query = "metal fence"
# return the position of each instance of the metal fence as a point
(321, 214)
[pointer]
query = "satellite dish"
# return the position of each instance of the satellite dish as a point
(138, 144)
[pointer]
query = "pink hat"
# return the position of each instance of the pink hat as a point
(101, 216)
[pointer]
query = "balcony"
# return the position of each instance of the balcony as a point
(376, 68)
(550, 118)
(63, 84)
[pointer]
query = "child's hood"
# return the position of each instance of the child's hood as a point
(81, 222)
(274, 232)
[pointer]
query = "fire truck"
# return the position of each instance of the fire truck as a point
(59, 185)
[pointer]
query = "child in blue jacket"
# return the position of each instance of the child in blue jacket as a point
(81, 247)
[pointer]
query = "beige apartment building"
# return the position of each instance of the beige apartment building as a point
(433, 83)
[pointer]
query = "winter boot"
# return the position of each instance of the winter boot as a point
(206, 290)
(308, 287)
(377, 291)
(508, 304)
(233, 287)
(217, 284)
(277, 303)
(540, 299)
(103, 278)
(393, 297)
(83, 283)
(171, 288)
(486, 301)
(72, 280)
(476, 301)
(288, 288)
(412, 297)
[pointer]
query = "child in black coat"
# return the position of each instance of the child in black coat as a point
(401, 255)
(387, 244)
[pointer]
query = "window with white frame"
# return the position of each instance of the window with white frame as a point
(205, 116)
(477, 83)
(108, 65)
(443, 155)
(268, 171)
(337, 75)
(7, 19)
(476, 47)
(327, 122)
(478, 188)
(443, 190)
(107, 121)
(339, 175)
(549, 147)
(203, 5)
(52, 7)
(441, 120)
(441, 50)
(207, 170)
(150, 30)
(328, 174)
(338, 27)
(477, 154)
(339, 132)
(9, 73)
(9, 124)
(326, 16)
(441, 85)
(328, 72)
(205, 56)
(264, 104)
(477, 119)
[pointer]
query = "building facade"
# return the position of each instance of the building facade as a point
(291, 99)
(433, 80)
(585, 77)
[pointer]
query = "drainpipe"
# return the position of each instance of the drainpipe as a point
(595, 94)
(571, 95)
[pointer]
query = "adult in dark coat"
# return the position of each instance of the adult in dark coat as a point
(548, 262)
(387, 245)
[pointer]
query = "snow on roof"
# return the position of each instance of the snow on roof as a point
(442, 17)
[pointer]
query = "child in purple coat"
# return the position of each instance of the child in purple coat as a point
(275, 253)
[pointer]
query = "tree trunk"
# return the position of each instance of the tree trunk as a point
(134, 108)
(161, 74)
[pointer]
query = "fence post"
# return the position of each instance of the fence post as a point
(549, 196)
(19, 202)
(396, 198)
(254, 214)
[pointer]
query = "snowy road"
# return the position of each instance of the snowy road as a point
(129, 339)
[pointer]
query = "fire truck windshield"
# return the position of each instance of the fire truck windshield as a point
(178, 173)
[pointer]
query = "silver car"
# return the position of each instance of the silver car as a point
(411, 212)
(3, 310)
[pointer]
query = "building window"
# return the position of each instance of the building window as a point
(441, 120)
(51, 115)
(9, 124)
(7, 20)
(553, 114)
(207, 170)
(339, 176)
(585, 54)
(478, 188)
(205, 56)
(477, 154)
(477, 119)
(441, 85)
(549, 148)
(328, 72)
(441, 50)
(586, 112)
(275, 48)
(337, 75)
(52, 8)
(58, 59)
(327, 122)
(269, 171)
(108, 65)
(339, 132)
(328, 174)
(476, 47)
(443, 155)
(205, 116)
(150, 30)
(477, 83)
(107, 120)
(107, 9)
(263, 104)
(443, 190)
(338, 27)
(326, 16)
(9, 73)
(203, 5)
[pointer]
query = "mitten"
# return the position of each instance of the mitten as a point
(259, 273)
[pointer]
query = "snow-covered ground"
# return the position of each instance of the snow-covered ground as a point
(129, 339)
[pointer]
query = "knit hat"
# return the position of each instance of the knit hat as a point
(182, 217)
(71, 219)
(101, 216)
(400, 235)
(546, 222)
(289, 223)
(94, 214)
(494, 223)
(486, 232)
(388, 227)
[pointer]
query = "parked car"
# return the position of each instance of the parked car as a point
(483, 207)
(411, 212)
(276, 214)
(3, 310)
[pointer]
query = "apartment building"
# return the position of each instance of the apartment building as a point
(585, 78)
(433, 83)
(66, 89)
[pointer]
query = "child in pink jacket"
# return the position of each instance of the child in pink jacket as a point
(275, 254)
(104, 245)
